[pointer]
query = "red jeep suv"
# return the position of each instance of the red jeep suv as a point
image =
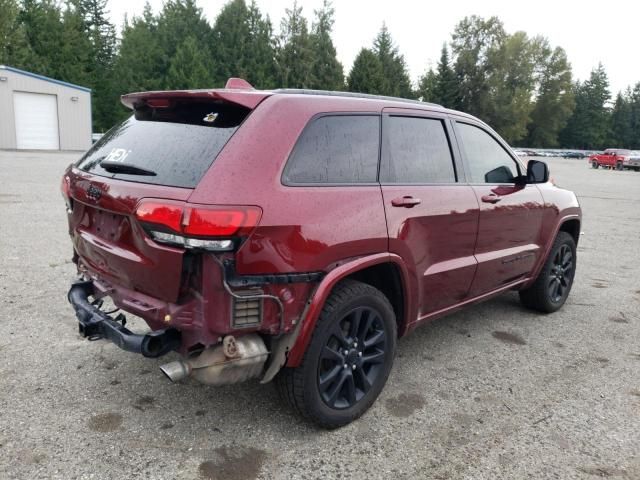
(295, 235)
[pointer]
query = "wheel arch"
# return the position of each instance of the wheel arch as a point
(569, 223)
(384, 271)
(572, 227)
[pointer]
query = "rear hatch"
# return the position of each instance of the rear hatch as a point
(159, 154)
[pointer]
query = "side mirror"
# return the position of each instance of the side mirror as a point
(537, 172)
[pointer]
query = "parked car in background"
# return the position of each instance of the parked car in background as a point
(634, 161)
(573, 155)
(616, 158)
(295, 235)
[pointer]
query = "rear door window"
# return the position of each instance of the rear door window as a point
(173, 146)
(336, 149)
(416, 151)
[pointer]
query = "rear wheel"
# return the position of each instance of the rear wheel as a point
(594, 164)
(551, 289)
(348, 359)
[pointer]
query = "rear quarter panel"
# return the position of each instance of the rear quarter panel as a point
(303, 228)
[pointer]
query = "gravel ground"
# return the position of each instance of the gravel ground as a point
(492, 392)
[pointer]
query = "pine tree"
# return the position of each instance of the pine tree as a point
(395, 77)
(14, 49)
(178, 20)
(326, 70)
(366, 73)
(634, 100)
(243, 45)
(428, 86)
(446, 84)
(230, 41)
(294, 55)
(139, 65)
(190, 67)
(260, 53)
(588, 126)
(554, 103)
(75, 48)
(621, 121)
(50, 41)
(43, 31)
(102, 38)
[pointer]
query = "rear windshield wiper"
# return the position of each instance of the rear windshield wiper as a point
(119, 167)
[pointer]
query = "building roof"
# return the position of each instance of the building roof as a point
(42, 77)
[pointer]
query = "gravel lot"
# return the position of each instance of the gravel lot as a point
(491, 392)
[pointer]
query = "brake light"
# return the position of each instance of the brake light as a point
(168, 215)
(220, 223)
(158, 102)
(190, 226)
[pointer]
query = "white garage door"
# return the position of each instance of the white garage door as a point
(36, 121)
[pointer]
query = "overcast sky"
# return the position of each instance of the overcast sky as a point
(590, 32)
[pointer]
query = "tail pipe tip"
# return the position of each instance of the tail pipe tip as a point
(176, 371)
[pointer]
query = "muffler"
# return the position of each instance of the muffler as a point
(236, 360)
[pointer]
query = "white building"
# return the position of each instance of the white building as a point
(40, 113)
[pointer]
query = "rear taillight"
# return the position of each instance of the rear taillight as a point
(217, 228)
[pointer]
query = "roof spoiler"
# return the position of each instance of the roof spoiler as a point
(236, 91)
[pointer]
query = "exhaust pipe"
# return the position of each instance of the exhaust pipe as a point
(175, 371)
(236, 360)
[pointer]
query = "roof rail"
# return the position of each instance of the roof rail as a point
(305, 91)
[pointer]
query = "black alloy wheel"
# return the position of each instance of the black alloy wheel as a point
(348, 359)
(352, 358)
(561, 274)
(551, 288)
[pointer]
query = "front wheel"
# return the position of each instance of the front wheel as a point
(594, 164)
(348, 359)
(551, 289)
(619, 166)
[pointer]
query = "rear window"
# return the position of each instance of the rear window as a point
(170, 146)
(416, 150)
(336, 149)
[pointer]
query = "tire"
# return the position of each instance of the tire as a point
(352, 382)
(595, 164)
(619, 166)
(551, 289)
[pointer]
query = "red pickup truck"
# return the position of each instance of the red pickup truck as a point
(611, 158)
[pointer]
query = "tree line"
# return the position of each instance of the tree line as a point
(519, 84)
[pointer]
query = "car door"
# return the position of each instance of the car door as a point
(431, 214)
(509, 242)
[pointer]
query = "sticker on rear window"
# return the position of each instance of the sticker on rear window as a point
(117, 155)
(210, 117)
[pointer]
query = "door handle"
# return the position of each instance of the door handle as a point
(407, 201)
(493, 198)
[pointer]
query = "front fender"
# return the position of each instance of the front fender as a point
(322, 292)
(571, 214)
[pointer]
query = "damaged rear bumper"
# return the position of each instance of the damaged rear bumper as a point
(95, 324)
